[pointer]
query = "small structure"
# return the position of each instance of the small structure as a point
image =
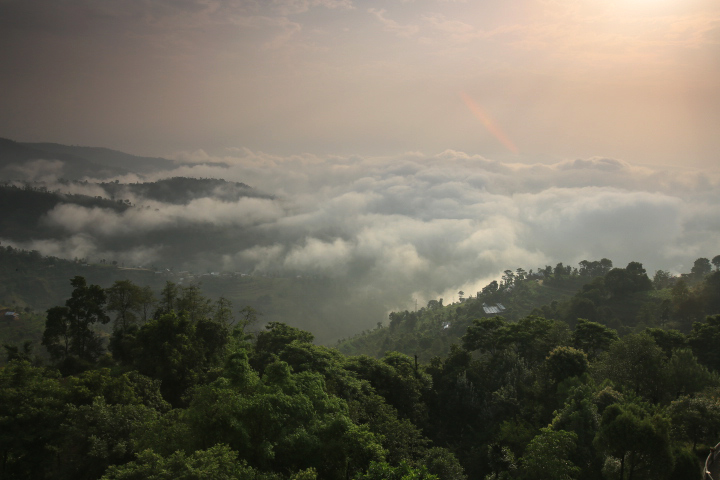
(493, 309)
(9, 315)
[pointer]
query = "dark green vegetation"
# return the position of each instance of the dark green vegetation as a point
(624, 299)
(177, 386)
(31, 284)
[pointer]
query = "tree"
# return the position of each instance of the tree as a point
(486, 335)
(222, 312)
(86, 307)
(500, 460)
(636, 363)
(532, 337)
(638, 441)
(56, 336)
(396, 380)
(178, 352)
(216, 462)
(564, 362)
(696, 419)
(435, 304)
(192, 301)
(547, 457)
(685, 375)
(605, 265)
(621, 282)
(124, 298)
(580, 415)
(580, 307)
(147, 300)
(704, 339)
(662, 279)
(269, 343)
(168, 298)
(490, 288)
(710, 293)
(32, 408)
(668, 340)
(593, 338)
(248, 317)
(15, 353)
(98, 435)
(680, 291)
(68, 329)
(716, 262)
(700, 268)
(384, 471)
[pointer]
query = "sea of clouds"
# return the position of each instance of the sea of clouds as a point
(412, 225)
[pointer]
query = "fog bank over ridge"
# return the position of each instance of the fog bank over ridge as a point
(412, 226)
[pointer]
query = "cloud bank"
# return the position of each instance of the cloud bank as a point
(412, 225)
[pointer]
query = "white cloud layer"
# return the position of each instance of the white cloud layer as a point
(422, 225)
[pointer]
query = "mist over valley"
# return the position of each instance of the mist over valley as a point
(371, 234)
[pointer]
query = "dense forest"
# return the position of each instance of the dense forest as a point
(616, 380)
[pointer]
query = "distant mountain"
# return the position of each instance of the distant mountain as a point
(183, 190)
(31, 161)
(20, 161)
(106, 157)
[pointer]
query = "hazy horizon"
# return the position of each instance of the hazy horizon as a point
(413, 147)
(534, 81)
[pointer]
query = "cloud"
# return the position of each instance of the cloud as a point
(34, 171)
(85, 247)
(411, 224)
(159, 216)
(391, 25)
(290, 7)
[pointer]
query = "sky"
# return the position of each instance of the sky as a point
(413, 147)
(529, 81)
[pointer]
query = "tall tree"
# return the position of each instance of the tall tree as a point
(68, 329)
(716, 261)
(147, 301)
(547, 457)
(125, 299)
(192, 301)
(593, 338)
(637, 363)
(639, 442)
(700, 268)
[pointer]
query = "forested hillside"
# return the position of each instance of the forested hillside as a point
(622, 298)
(32, 283)
(177, 385)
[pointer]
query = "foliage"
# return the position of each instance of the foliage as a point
(384, 471)
(216, 463)
(547, 457)
(191, 393)
(68, 331)
(636, 363)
